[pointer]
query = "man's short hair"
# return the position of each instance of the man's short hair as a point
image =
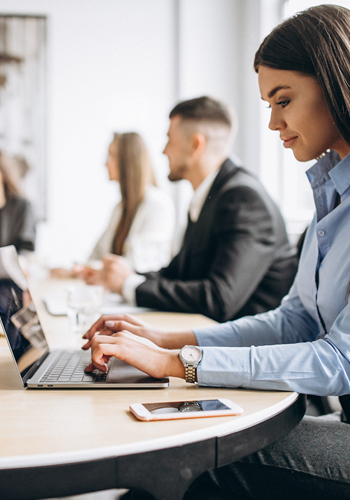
(203, 109)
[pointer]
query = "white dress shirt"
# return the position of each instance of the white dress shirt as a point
(200, 195)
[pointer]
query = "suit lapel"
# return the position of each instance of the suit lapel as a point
(228, 169)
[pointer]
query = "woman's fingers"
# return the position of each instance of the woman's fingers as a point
(118, 326)
(136, 351)
(137, 338)
(116, 322)
(134, 321)
(104, 331)
(98, 365)
(98, 326)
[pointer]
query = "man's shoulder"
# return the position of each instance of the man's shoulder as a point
(234, 176)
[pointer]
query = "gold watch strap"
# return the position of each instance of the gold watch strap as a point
(190, 374)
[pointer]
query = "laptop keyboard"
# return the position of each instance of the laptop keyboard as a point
(69, 367)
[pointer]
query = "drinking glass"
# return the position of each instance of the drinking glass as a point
(83, 305)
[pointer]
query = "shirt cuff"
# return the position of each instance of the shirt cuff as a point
(129, 288)
(222, 367)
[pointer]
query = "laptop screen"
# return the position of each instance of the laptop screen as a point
(18, 314)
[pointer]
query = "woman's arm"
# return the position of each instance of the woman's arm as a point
(320, 367)
(275, 327)
(110, 324)
(289, 323)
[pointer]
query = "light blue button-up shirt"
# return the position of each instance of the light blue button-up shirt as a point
(304, 345)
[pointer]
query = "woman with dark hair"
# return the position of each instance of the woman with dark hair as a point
(142, 224)
(304, 345)
(17, 223)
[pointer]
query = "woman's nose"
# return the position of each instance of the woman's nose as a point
(276, 123)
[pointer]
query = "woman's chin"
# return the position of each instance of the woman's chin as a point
(302, 156)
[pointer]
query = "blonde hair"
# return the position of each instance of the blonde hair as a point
(135, 172)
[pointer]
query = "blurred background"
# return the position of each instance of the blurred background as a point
(74, 71)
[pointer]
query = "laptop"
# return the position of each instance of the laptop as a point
(39, 367)
(56, 305)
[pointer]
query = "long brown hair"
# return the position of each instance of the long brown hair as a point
(135, 172)
(10, 183)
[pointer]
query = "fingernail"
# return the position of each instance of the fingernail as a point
(109, 323)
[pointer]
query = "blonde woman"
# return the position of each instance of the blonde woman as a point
(142, 224)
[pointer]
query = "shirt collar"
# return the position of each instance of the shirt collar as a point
(331, 167)
(201, 194)
(319, 173)
(340, 175)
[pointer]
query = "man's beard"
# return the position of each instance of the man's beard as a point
(178, 174)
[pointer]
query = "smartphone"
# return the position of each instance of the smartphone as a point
(185, 409)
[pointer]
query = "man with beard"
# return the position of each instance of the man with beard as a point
(235, 259)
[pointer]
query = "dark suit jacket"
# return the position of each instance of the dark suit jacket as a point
(236, 260)
(17, 224)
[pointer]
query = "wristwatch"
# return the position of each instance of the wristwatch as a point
(191, 356)
(190, 406)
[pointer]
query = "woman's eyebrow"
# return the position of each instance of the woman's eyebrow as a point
(276, 89)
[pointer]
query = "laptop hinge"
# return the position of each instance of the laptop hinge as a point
(34, 368)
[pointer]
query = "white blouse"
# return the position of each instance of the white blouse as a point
(148, 244)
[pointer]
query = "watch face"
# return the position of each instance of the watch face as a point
(191, 354)
(190, 406)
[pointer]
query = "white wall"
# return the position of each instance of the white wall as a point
(121, 65)
(109, 68)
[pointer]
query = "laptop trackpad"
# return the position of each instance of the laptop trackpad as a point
(121, 372)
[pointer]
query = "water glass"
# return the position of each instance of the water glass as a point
(83, 305)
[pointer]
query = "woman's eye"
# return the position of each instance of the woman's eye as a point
(283, 104)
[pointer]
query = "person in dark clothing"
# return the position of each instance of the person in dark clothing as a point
(17, 222)
(235, 258)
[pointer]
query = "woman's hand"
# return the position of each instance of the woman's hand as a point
(138, 352)
(110, 324)
(89, 275)
(115, 271)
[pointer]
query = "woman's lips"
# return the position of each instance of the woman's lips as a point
(288, 141)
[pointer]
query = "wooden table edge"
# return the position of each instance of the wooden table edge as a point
(214, 431)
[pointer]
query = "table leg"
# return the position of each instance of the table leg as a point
(166, 474)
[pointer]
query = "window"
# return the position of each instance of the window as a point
(23, 102)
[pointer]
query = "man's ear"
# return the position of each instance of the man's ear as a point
(198, 144)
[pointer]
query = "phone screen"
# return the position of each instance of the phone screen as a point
(186, 406)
